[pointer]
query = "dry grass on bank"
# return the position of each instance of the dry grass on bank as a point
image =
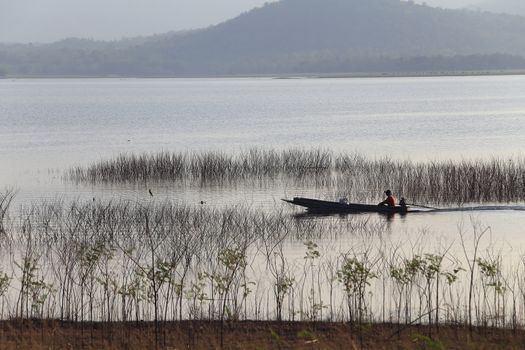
(249, 335)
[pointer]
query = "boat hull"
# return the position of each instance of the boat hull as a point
(320, 206)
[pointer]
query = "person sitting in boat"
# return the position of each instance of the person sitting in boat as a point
(390, 199)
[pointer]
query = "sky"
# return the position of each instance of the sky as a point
(449, 3)
(51, 20)
(499, 6)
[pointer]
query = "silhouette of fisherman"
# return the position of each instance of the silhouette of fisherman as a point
(390, 200)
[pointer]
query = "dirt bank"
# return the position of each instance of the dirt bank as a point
(51, 334)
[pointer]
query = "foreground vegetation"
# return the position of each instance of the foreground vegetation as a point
(351, 175)
(90, 261)
(161, 268)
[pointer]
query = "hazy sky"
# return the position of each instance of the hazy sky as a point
(449, 3)
(51, 20)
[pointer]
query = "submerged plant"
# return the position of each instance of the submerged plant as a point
(356, 275)
(163, 262)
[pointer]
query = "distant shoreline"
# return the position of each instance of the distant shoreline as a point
(285, 76)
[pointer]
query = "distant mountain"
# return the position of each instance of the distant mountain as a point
(297, 36)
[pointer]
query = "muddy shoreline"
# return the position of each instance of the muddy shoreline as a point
(55, 334)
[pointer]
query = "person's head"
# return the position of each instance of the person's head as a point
(388, 193)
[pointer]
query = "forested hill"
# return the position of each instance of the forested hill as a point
(297, 36)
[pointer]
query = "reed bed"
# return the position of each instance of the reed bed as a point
(204, 166)
(161, 262)
(467, 181)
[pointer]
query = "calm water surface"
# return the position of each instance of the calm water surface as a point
(47, 126)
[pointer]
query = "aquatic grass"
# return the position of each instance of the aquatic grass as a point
(122, 261)
(6, 198)
(494, 180)
(345, 175)
(205, 166)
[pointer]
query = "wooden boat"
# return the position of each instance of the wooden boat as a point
(320, 206)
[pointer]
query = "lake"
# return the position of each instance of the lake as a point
(48, 126)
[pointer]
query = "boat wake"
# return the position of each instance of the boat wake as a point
(479, 208)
